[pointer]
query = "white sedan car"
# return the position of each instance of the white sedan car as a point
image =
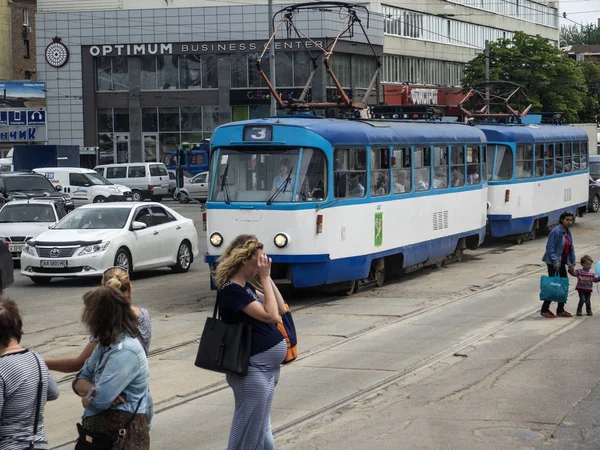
(95, 237)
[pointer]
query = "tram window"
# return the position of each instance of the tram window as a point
(440, 167)
(568, 158)
(422, 168)
(558, 158)
(549, 159)
(380, 171)
(312, 178)
(402, 171)
(576, 156)
(484, 168)
(350, 172)
(457, 166)
(489, 155)
(473, 165)
(524, 161)
(539, 160)
(503, 167)
(583, 156)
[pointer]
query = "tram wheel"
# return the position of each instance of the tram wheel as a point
(459, 254)
(379, 276)
(350, 287)
(533, 233)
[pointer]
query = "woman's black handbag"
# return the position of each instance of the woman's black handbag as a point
(224, 347)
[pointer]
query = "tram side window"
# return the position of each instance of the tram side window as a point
(473, 165)
(539, 160)
(583, 156)
(380, 171)
(440, 167)
(549, 159)
(484, 163)
(312, 178)
(568, 157)
(503, 167)
(350, 172)
(402, 171)
(524, 161)
(576, 164)
(422, 169)
(490, 150)
(457, 169)
(558, 158)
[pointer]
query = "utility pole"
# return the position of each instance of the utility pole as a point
(487, 74)
(272, 60)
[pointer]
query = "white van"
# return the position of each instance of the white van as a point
(146, 180)
(85, 185)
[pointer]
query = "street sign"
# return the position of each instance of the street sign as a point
(36, 117)
(17, 117)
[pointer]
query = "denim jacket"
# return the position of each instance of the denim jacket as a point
(555, 246)
(120, 369)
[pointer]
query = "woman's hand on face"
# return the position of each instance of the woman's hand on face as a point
(264, 266)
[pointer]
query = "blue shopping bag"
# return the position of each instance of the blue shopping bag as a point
(554, 289)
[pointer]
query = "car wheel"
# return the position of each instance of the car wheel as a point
(100, 199)
(595, 203)
(136, 196)
(184, 258)
(41, 280)
(123, 259)
(182, 198)
(175, 194)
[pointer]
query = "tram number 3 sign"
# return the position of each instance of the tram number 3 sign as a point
(258, 134)
(378, 229)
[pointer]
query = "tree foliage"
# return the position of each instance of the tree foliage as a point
(552, 81)
(588, 34)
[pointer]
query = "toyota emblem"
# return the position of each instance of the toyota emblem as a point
(54, 253)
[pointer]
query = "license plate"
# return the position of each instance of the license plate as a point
(15, 248)
(54, 264)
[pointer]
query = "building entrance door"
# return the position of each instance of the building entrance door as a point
(121, 149)
(151, 148)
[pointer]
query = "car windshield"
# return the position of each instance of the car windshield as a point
(30, 212)
(595, 169)
(28, 183)
(96, 179)
(95, 219)
(270, 175)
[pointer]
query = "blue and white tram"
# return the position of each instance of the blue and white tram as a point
(536, 172)
(362, 197)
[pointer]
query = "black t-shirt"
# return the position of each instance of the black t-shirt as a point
(232, 299)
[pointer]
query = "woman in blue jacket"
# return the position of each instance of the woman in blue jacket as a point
(560, 254)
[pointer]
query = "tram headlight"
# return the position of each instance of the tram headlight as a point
(281, 240)
(216, 239)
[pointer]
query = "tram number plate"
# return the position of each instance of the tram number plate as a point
(255, 133)
(53, 264)
(15, 248)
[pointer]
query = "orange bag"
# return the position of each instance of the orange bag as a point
(288, 329)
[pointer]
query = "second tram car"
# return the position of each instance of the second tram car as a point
(337, 201)
(536, 172)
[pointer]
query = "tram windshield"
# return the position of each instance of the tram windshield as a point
(267, 175)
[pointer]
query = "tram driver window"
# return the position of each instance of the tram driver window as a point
(402, 171)
(312, 179)
(350, 172)
(524, 161)
(539, 160)
(440, 167)
(457, 167)
(473, 165)
(422, 169)
(380, 171)
(568, 158)
(558, 160)
(503, 167)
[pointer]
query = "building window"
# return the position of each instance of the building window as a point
(292, 69)
(112, 73)
(520, 9)
(25, 17)
(407, 69)
(170, 72)
(28, 75)
(26, 53)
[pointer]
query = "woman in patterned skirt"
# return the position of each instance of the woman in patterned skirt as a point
(242, 263)
(113, 383)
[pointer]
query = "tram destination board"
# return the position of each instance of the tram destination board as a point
(258, 133)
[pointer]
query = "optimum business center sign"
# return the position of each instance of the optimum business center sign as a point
(182, 48)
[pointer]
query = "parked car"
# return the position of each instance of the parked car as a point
(85, 185)
(93, 238)
(595, 167)
(196, 188)
(173, 181)
(7, 268)
(146, 180)
(594, 196)
(21, 220)
(24, 185)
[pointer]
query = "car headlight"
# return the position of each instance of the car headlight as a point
(216, 239)
(29, 250)
(94, 248)
(281, 240)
